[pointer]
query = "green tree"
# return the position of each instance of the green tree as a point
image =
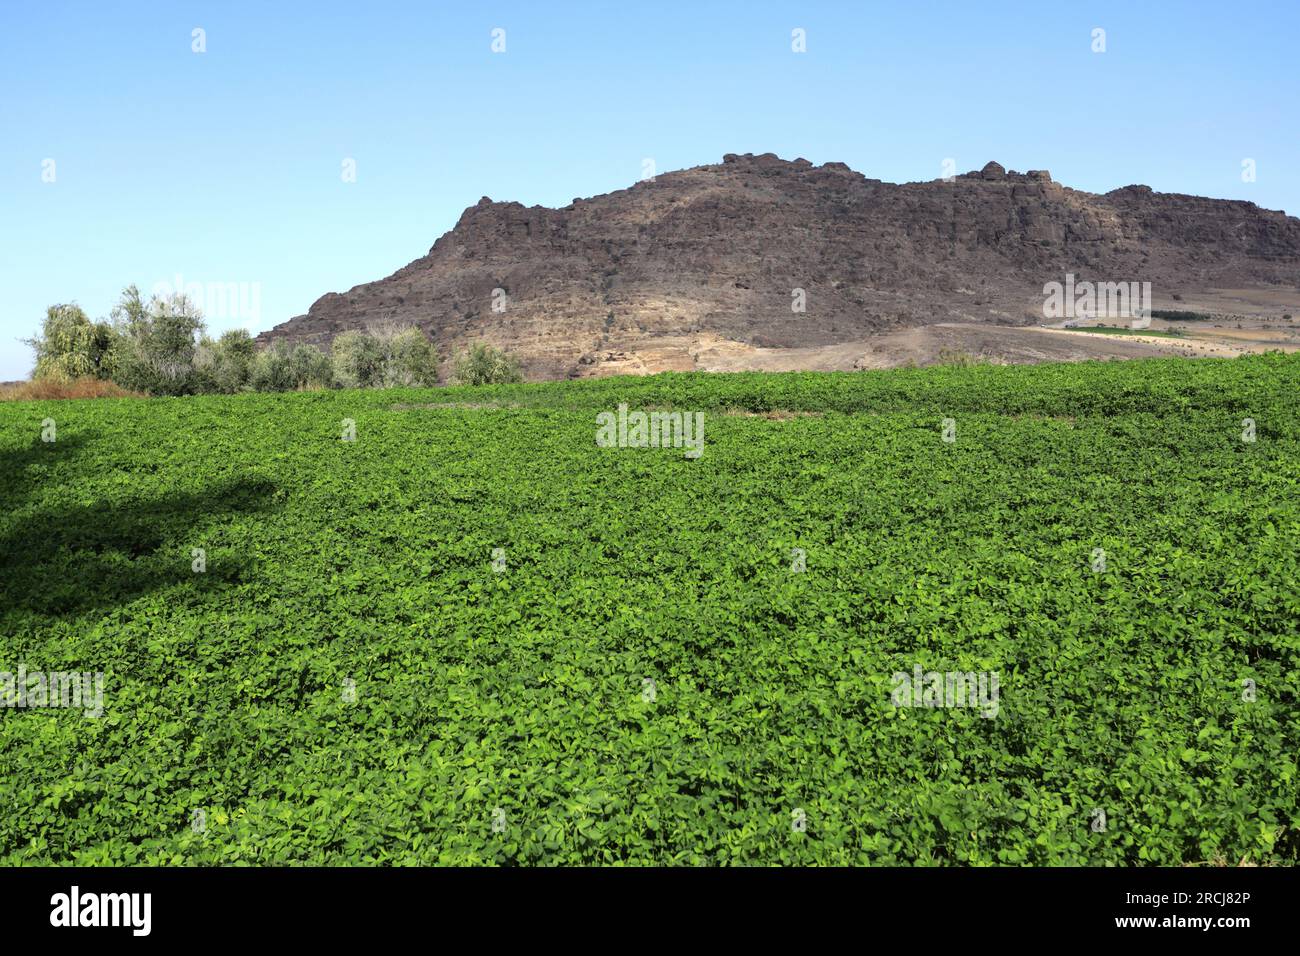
(358, 359)
(70, 345)
(226, 364)
(280, 368)
(409, 357)
(310, 367)
(271, 371)
(154, 344)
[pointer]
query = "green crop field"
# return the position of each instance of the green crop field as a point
(472, 635)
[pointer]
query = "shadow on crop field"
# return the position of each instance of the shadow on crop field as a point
(20, 469)
(57, 561)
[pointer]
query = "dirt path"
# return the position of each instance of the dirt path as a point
(1180, 346)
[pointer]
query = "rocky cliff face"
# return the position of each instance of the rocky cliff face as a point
(721, 252)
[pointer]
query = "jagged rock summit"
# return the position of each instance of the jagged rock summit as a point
(722, 256)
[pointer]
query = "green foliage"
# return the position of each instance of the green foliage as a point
(280, 368)
(271, 370)
(160, 347)
(384, 356)
(70, 345)
(958, 358)
(310, 367)
(226, 364)
(485, 365)
(154, 344)
(524, 690)
(409, 358)
(358, 359)
(1178, 315)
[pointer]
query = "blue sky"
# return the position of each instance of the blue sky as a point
(226, 166)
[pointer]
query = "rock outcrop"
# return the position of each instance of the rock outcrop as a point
(732, 250)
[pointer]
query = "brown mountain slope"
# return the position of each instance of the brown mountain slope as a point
(705, 260)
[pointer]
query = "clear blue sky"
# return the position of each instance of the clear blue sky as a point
(226, 166)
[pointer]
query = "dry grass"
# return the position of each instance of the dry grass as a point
(48, 389)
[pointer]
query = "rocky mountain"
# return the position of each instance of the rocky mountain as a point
(720, 257)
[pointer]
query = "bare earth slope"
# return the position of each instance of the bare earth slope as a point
(697, 269)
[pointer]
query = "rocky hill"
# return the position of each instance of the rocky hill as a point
(709, 259)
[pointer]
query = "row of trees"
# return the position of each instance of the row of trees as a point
(161, 346)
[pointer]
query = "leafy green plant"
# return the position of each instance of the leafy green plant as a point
(408, 356)
(271, 369)
(154, 343)
(639, 675)
(358, 359)
(310, 367)
(70, 345)
(226, 364)
(280, 368)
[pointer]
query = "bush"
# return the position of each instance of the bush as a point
(159, 347)
(310, 367)
(70, 346)
(485, 365)
(409, 356)
(358, 360)
(384, 356)
(280, 368)
(226, 364)
(153, 345)
(270, 371)
(1177, 315)
(957, 358)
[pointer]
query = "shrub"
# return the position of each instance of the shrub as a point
(70, 345)
(153, 345)
(281, 368)
(409, 356)
(358, 359)
(226, 364)
(271, 370)
(1177, 315)
(310, 367)
(957, 358)
(159, 347)
(485, 365)
(384, 356)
